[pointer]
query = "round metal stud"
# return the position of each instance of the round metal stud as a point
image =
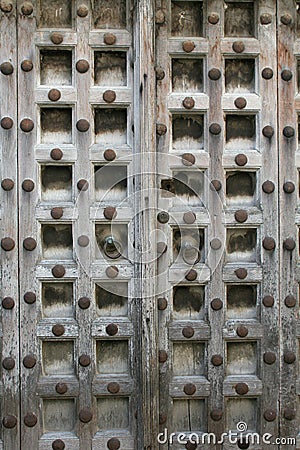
(238, 47)
(29, 244)
(56, 154)
(109, 96)
(270, 415)
(163, 217)
(26, 125)
(289, 414)
(113, 444)
(6, 6)
(269, 358)
(288, 132)
(241, 273)
(217, 360)
(289, 187)
(83, 241)
(58, 329)
(268, 131)
(113, 388)
(189, 389)
(112, 272)
(265, 19)
(189, 217)
(213, 18)
(215, 185)
(191, 275)
(161, 129)
(84, 303)
(191, 445)
(82, 185)
(160, 17)
(241, 216)
(241, 159)
(286, 19)
(85, 415)
(8, 363)
(85, 360)
(61, 388)
(27, 65)
(268, 301)
(57, 213)
(29, 298)
(267, 73)
(9, 421)
(6, 68)
(188, 159)
(242, 331)
(162, 356)
(30, 420)
(216, 414)
(216, 304)
(289, 357)
(162, 304)
(290, 301)
(268, 187)
(160, 73)
(54, 95)
(29, 361)
(269, 243)
(112, 329)
(56, 38)
(82, 66)
(7, 123)
(216, 244)
(188, 332)
(58, 444)
(215, 129)
(82, 11)
(241, 388)
(58, 271)
(240, 103)
(109, 155)
(289, 244)
(188, 103)
(8, 303)
(110, 213)
(188, 46)
(27, 8)
(82, 125)
(7, 184)
(214, 74)
(286, 75)
(7, 244)
(109, 39)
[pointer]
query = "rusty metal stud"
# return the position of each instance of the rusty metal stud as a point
(216, 244)
(56, 154)
(188, 46)
(268, 301)
(82, 11)
(189, 217)
(110, 213)
(290, 301)
(109, 155)
(26, 65)
(162, 304)
(216, 414)
(241, 273)
(289, 187)
(30, 420)
(112, 329)
(265, 19)
(58, 271)
(160, 17)
(29, 361)
(189, 389)
(268, 187)
(191, 445)
(29, 298)
(163, 419)
(109, 39)
(289, 244)
(240, 103)
(85, 360)
(58, 444)
(8, 303)
(27, 8)
(289, 357)
(57, 213)
(162, 356)
(216, 304)
(58, 329)
(56, 38)
(268, 131)
(191, 275)
(188, 103)
(241, 159)
(269, 358)
(7, 244)
(112, 272)
(215, 129)
(6, 6)
(109, 96)
(214, 74)
(7, 123)
(8, 363)
(9, 421)
(7, 184)
(29, 244)
(54, 95)
(82, 125)
(241, 388)
(61, 388)
(160, 73)
(188, 332)
(188, 159)
(82, 185)
(85, 415)
(215, 185)
(286, 75)
(238, 47)
(217, 360)
(84, 302)
(286, 19)
(213, 18)
(6, 68)
(163, 217)
(269, 243)
(270, 415)
(161, 129)
(288, 132)
(83, 241)
(242, 331)
(82, 66)
(113, 388)
(267, 73)
(27, 125)
(241, 216)
(289, 414)
(113, 444)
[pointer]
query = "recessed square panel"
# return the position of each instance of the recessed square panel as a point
(187, 18)
(111, 241)
(110, 183)
(189, 359)
(240, 75)
(241, 301)
(110, 68)
(189, 415)
(241, 244)
(56, 67)
(240, 131)
(187, 131)
(58, 358)
(239, 19)
(245, 410)
(189, 302)
(188, 245)
(55, 14)
(111, 299)
(187, 75)
(241, 358)
(109, 14)
(56, 125)
(57, 241)
(59, 416)
(112, 414)
(56, 183)
(186, 187)
(240, 188)
(112, 357)
(111, 126)
(57, 299)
